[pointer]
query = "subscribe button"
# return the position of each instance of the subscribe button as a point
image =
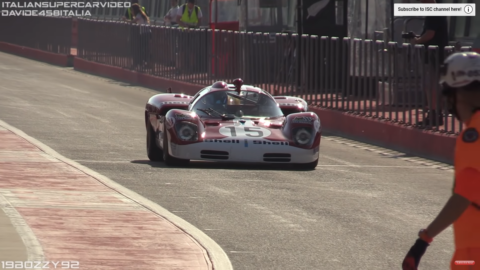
(423, 10)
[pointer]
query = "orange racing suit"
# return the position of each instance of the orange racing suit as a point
(466, 228)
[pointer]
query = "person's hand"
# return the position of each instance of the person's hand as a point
(412, 260)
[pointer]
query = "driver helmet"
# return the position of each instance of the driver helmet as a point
(216, 98)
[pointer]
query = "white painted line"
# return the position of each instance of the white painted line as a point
(9, 68)
(382, 166)
(34, 249)
(390, 153)
(340, 161)
(74, 89)
(8, 89)
(96, 118)
(104, 161)
(217, 255)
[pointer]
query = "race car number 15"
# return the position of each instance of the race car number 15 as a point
(236, 131)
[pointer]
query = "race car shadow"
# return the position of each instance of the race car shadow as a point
(222, 166)
(149, 162)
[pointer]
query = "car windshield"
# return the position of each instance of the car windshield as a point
(231, 104)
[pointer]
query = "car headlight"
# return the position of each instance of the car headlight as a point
(187, 131)
(303, 136)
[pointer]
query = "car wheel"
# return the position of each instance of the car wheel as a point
(154, 152)
(307, 166)
(169, 160)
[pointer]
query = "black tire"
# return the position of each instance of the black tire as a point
(169, 160)
(307, 166)
(154, 152)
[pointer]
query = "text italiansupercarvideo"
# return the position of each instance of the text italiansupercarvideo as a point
(77, 4)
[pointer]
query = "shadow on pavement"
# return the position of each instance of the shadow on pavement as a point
(403, 155)
(223, 166)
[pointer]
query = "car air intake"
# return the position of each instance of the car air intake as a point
(209, 154)
(275, 157)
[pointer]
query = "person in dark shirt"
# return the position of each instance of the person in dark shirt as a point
(134, 34)
(435, 33)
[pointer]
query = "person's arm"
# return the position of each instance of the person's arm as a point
(429, 33)
(452, 210)
(168, 16)
(426, 37)
(200, 16)
(179, 21)
(133, 20)
(179, 17)
(467, 189)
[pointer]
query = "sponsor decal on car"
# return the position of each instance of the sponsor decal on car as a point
(304, 119)
(221, 141)
(270, 143)
(247, 130)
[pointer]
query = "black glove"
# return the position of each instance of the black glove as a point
(412, 260)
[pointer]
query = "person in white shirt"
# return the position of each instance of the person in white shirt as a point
(171, 17)
(189, 15)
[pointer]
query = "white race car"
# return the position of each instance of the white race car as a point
(232, 123)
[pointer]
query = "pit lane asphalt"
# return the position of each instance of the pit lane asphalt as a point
(359, 209)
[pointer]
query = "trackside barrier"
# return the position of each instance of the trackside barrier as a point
(365, 77)
(368, 78)
(49, 34)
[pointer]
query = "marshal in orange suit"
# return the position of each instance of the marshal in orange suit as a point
(460, 80)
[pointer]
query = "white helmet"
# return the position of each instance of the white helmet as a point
(459, 70)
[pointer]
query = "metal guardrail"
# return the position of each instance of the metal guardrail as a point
(52, 34)
(372, 78)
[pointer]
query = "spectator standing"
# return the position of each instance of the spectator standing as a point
(142, 39)
(435, 32)
(133, 35)
(171, 17)
(171, 38)
(189, 15)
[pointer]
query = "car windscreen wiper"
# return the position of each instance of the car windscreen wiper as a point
(209, 111)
